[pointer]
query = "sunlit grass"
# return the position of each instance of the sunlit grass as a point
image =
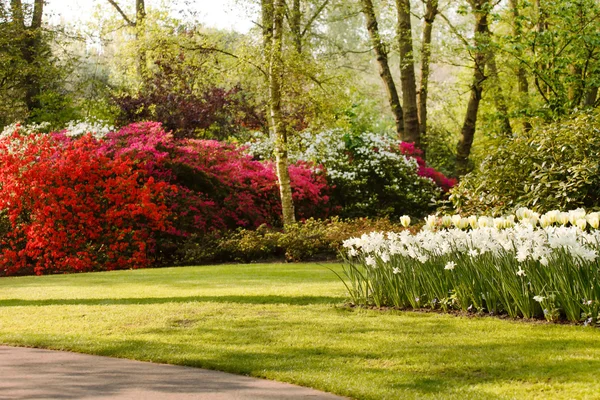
(288, 322)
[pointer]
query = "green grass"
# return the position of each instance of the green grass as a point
(289, 323)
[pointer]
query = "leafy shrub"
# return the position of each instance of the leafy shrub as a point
(68, 208)
(307, 240)
(171, 96)
(370, 174)
(552, 166)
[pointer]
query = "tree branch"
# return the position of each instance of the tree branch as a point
(314, 17)
(120, 11)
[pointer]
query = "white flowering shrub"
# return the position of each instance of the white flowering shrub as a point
(73, 128)
(97, 128)
(28, 129)
(525, 265)
(370, 175)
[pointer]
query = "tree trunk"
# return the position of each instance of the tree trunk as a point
(408, 81)
(523, 83)
(30, 47)
(591, 96)
(384, 68)
(277, 125)
(296, 26)
(499, 100)
(140, 33)
(463, 149)
(430, 14)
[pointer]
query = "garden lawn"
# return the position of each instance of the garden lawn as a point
(288, 322)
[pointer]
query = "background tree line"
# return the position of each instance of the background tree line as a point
(456, 78)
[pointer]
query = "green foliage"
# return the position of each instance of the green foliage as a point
(553, 166)
(308, 240)
(32, 77)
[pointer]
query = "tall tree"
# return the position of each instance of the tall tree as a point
(385, 73)
(30, 43)
(523, 83)
(278, 127)
(139, 25)
(498, 95)
(431, 11)
(407, 73)
(480, 10)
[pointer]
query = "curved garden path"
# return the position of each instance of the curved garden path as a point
(45, 374)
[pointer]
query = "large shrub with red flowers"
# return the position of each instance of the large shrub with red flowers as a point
(130, 199)
(67, 207)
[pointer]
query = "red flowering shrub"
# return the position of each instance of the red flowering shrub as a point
(129, 200)
(70, 208)
(409, 149)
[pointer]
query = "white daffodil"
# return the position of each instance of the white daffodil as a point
(450, 265)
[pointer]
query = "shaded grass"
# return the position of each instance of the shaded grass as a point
(288, 323)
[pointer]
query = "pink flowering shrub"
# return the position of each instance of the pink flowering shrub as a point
(409, 149)
(219, 185)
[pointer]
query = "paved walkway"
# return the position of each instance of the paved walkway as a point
(44, 374)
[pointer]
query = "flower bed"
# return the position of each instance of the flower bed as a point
(525, 265)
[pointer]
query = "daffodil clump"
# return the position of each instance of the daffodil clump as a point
(524, 265)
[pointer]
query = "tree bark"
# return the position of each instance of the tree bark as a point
(277, 124)
(463, 149)
(384, 68)
(140, 33)
(431, 11)
(499, 100)
(591, 96)
(30, 46)
(523, 83)
(296, 26)
(407, 73)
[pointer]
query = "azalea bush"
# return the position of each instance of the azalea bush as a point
(66, 207)
(218, 185)
(373, 175)
(73, 202)
(525, 265)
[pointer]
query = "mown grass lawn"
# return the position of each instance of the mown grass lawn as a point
(288, 322)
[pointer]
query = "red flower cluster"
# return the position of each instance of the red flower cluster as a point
(126, 201)
(70, 208)
(409, 149)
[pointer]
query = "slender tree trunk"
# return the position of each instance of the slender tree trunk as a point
(408, 80)
(499, 100)
(384, 68)
(296, 26)
(140, 33)
(463, 149)
(591, 96)
(30, 47)
(431, 11)
(542, 87)
(523, 83)
(575, 90)
(277, 125)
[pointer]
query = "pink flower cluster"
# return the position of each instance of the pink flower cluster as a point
(409, 149)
